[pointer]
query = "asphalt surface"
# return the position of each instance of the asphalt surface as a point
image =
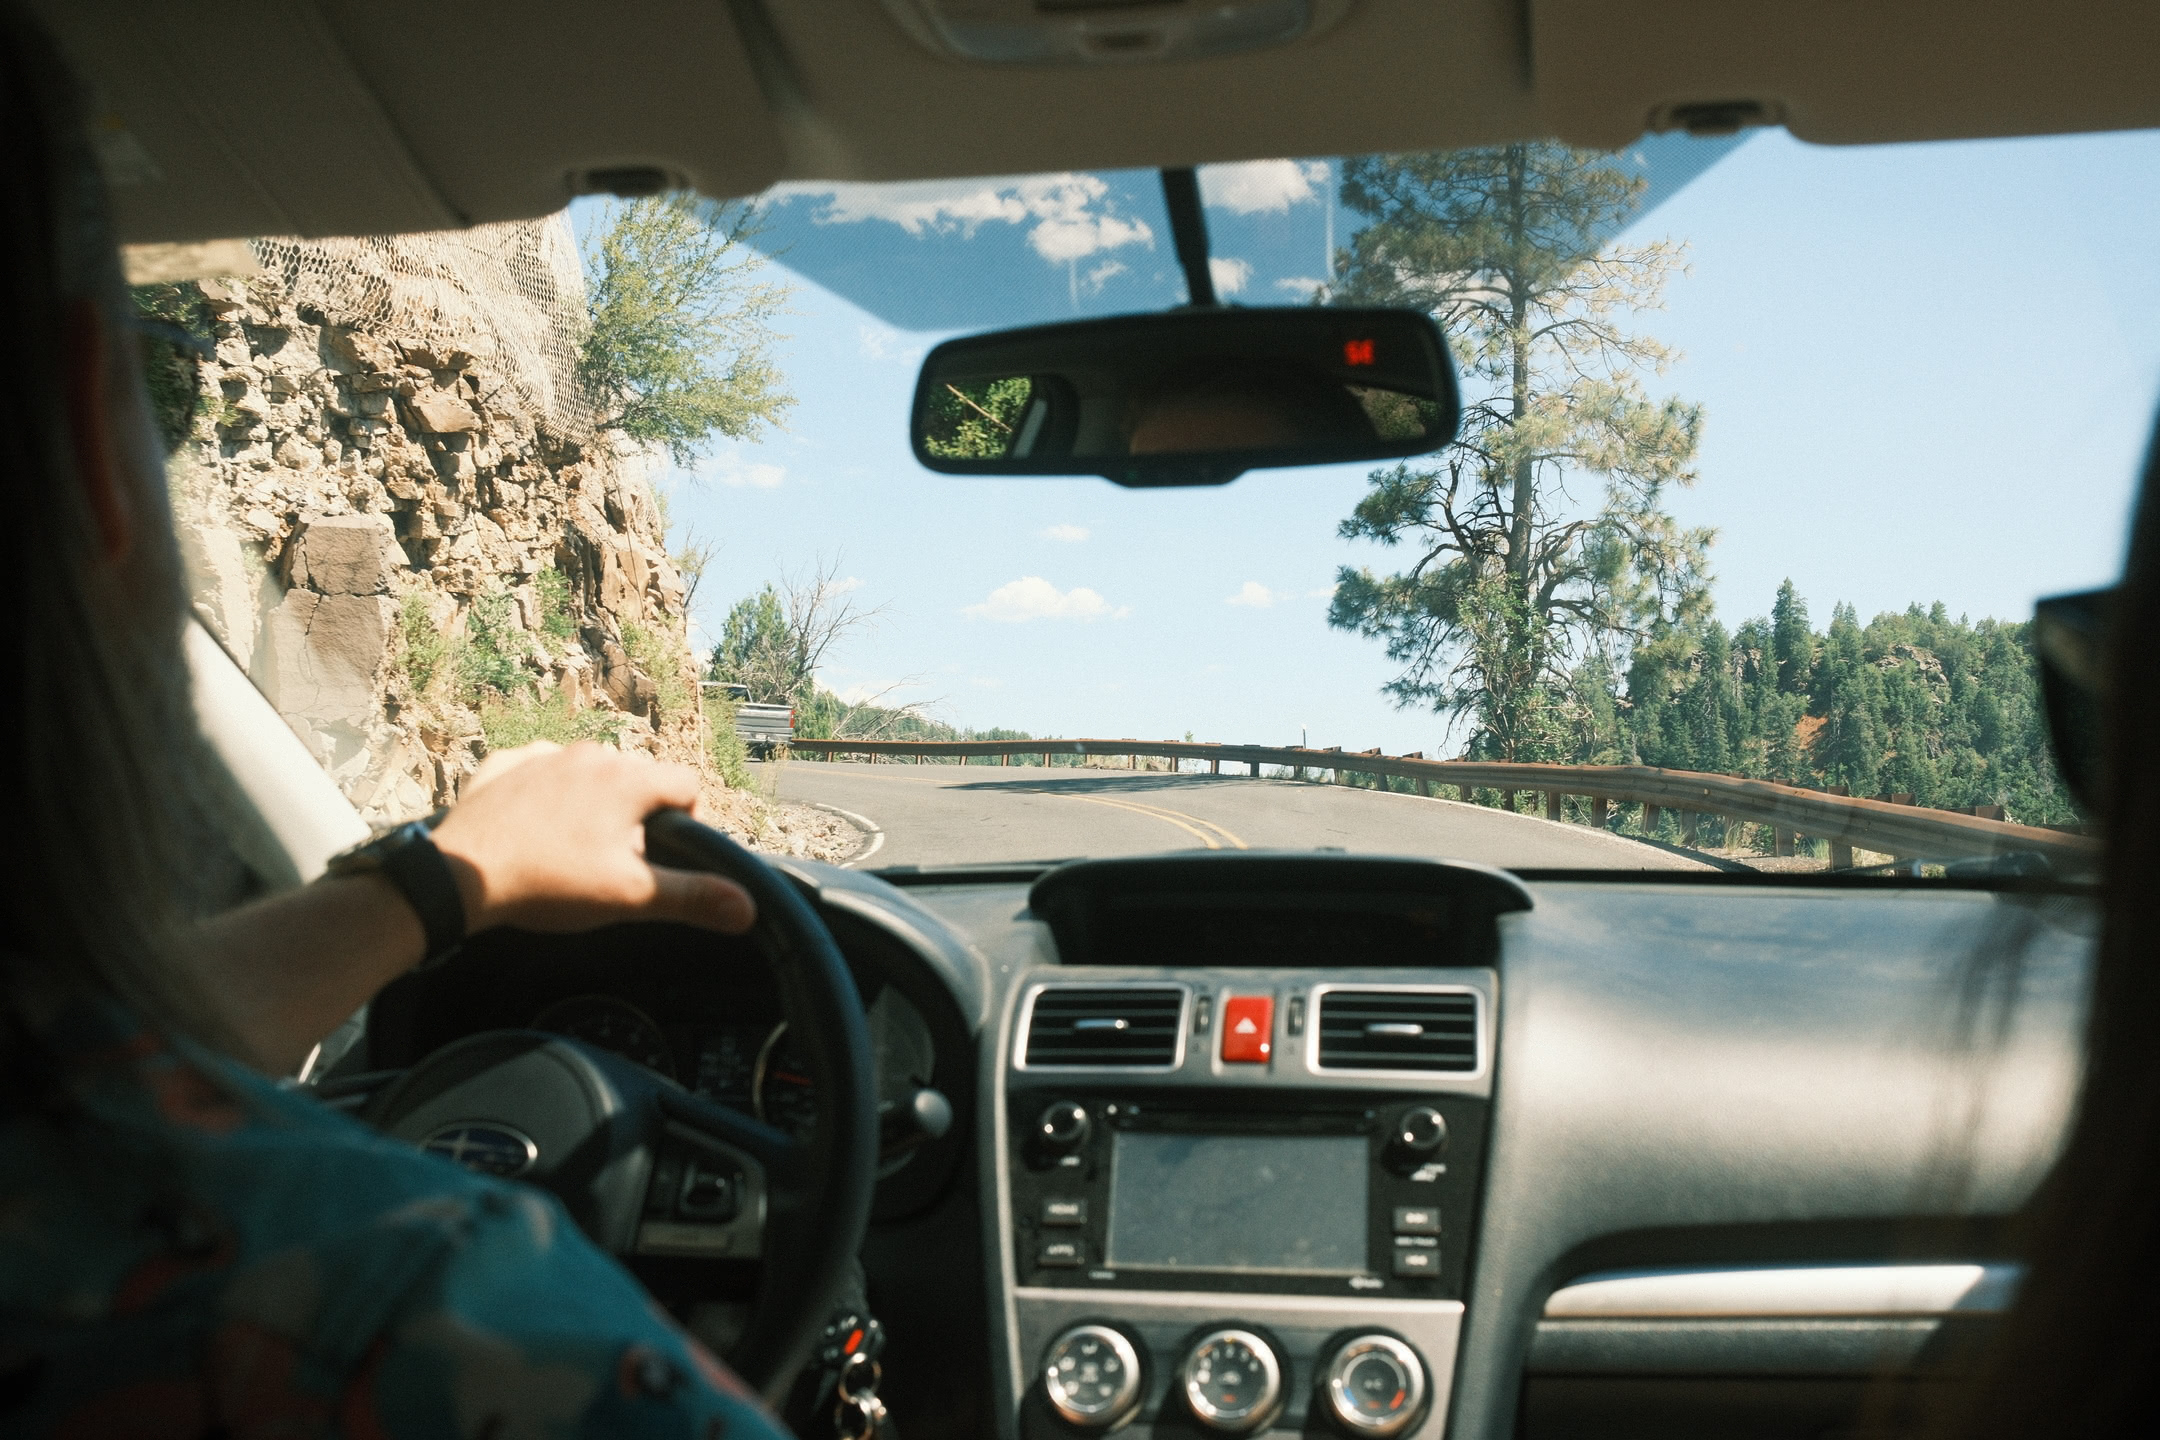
(963, 814)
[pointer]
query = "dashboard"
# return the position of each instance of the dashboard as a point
(1251, 1144)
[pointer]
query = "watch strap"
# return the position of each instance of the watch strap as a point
(408, 858)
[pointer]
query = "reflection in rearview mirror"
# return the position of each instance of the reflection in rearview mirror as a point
(1192, 397)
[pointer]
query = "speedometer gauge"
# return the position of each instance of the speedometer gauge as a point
(781, 1087)
(614, 1025)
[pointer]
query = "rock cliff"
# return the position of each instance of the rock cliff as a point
(398, 524)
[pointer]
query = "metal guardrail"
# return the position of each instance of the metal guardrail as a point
(1847, 822)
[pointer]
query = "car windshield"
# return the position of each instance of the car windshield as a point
(1768, 450)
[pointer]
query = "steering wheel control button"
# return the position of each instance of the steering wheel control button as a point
(1091, 1376)
(707, 1193)
(1062, 1254)
(1375, 1386)
(1064, 1212)
(1248, 1029)
(1416, 1220)
(1233, 1381)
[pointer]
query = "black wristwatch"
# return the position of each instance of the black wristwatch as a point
(406, 856)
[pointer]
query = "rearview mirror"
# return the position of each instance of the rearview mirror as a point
(1192, 397)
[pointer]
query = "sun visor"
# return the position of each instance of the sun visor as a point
(224, 118)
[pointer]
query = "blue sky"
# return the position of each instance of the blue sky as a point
(1928, 374)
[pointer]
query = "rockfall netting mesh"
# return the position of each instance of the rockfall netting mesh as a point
(510, 295)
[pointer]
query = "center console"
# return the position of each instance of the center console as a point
(1242, 1125)
(1235, 1206)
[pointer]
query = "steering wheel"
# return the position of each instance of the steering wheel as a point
(646, 1167)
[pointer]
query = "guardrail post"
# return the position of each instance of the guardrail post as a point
(1652, 817)
(1687, 828)
(1214, 767)
(1555, 805)
(1462, 793)
(1840, 855)
(1424, 786)
(1784, 840)
(1600, 811)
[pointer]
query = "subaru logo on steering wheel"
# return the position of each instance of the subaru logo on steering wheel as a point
(484, 1146)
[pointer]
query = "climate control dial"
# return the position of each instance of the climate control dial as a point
(1375, 1386)
(1091, 1376)
(1233, 1381)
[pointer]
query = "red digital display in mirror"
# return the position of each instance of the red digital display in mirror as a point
(1357, 352)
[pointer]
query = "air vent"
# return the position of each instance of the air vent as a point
(1123, 1026)
(1398, 1030)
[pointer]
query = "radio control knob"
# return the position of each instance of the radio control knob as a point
(1063, 1127)
(1420, 1134)
(1233, 1381)
(1091, 1376)
(1375, 1386)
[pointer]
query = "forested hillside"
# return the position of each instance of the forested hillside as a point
(1913, 703)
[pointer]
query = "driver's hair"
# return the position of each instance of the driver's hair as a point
(103, 757)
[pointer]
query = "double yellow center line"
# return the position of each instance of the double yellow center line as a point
(1207, 832)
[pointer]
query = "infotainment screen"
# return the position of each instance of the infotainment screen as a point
(1239, 1202)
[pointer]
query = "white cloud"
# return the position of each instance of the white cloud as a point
(1065, 211)
(1033, 598)
(1070, 534)
(727, 467)
(1102, 274)
(1322, 593)
(842, 587)
(986, 682)
(1257, 185)
(1252, 593)
(1228, 273)
(1302, 286)
(882, 342)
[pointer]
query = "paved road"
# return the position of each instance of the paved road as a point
(948, 814)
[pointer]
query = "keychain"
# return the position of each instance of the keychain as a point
(857, 1412)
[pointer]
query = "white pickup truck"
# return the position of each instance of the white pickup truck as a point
(762, 728)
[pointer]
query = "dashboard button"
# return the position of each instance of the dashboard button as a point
(1062, 1254)
(1064, 1212)
(1248, 1029)
(1416, 1220)
(1417, 1262)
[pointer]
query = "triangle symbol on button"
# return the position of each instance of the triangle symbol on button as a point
(1246, 1027)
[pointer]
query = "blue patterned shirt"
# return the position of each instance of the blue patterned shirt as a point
(196, 1252)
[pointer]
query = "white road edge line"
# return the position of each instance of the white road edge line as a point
(869, 827)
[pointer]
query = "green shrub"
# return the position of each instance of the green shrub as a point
(729, 756)
(422, 649)
(557, 620)
(652, 655)
(492, 659)
(509, 723)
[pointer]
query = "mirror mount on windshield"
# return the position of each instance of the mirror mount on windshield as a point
(1188, 230)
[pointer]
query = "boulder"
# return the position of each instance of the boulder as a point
(442, 412)
(346, 555)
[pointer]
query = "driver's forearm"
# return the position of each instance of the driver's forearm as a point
(285, 971)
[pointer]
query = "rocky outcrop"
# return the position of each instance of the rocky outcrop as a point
(372, 463)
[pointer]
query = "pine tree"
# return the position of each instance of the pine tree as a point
(1511, 583)
(1792, 643)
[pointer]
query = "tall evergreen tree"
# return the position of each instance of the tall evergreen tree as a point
(1792, 643)
(1511, 581)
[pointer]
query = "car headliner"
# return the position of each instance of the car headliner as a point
(253, 117)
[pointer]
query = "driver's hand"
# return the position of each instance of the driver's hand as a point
(548, 838)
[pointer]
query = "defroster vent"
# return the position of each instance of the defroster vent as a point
(1398, 1030)
(1132, 1026)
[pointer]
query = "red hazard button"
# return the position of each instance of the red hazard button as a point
(1248, 1028)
